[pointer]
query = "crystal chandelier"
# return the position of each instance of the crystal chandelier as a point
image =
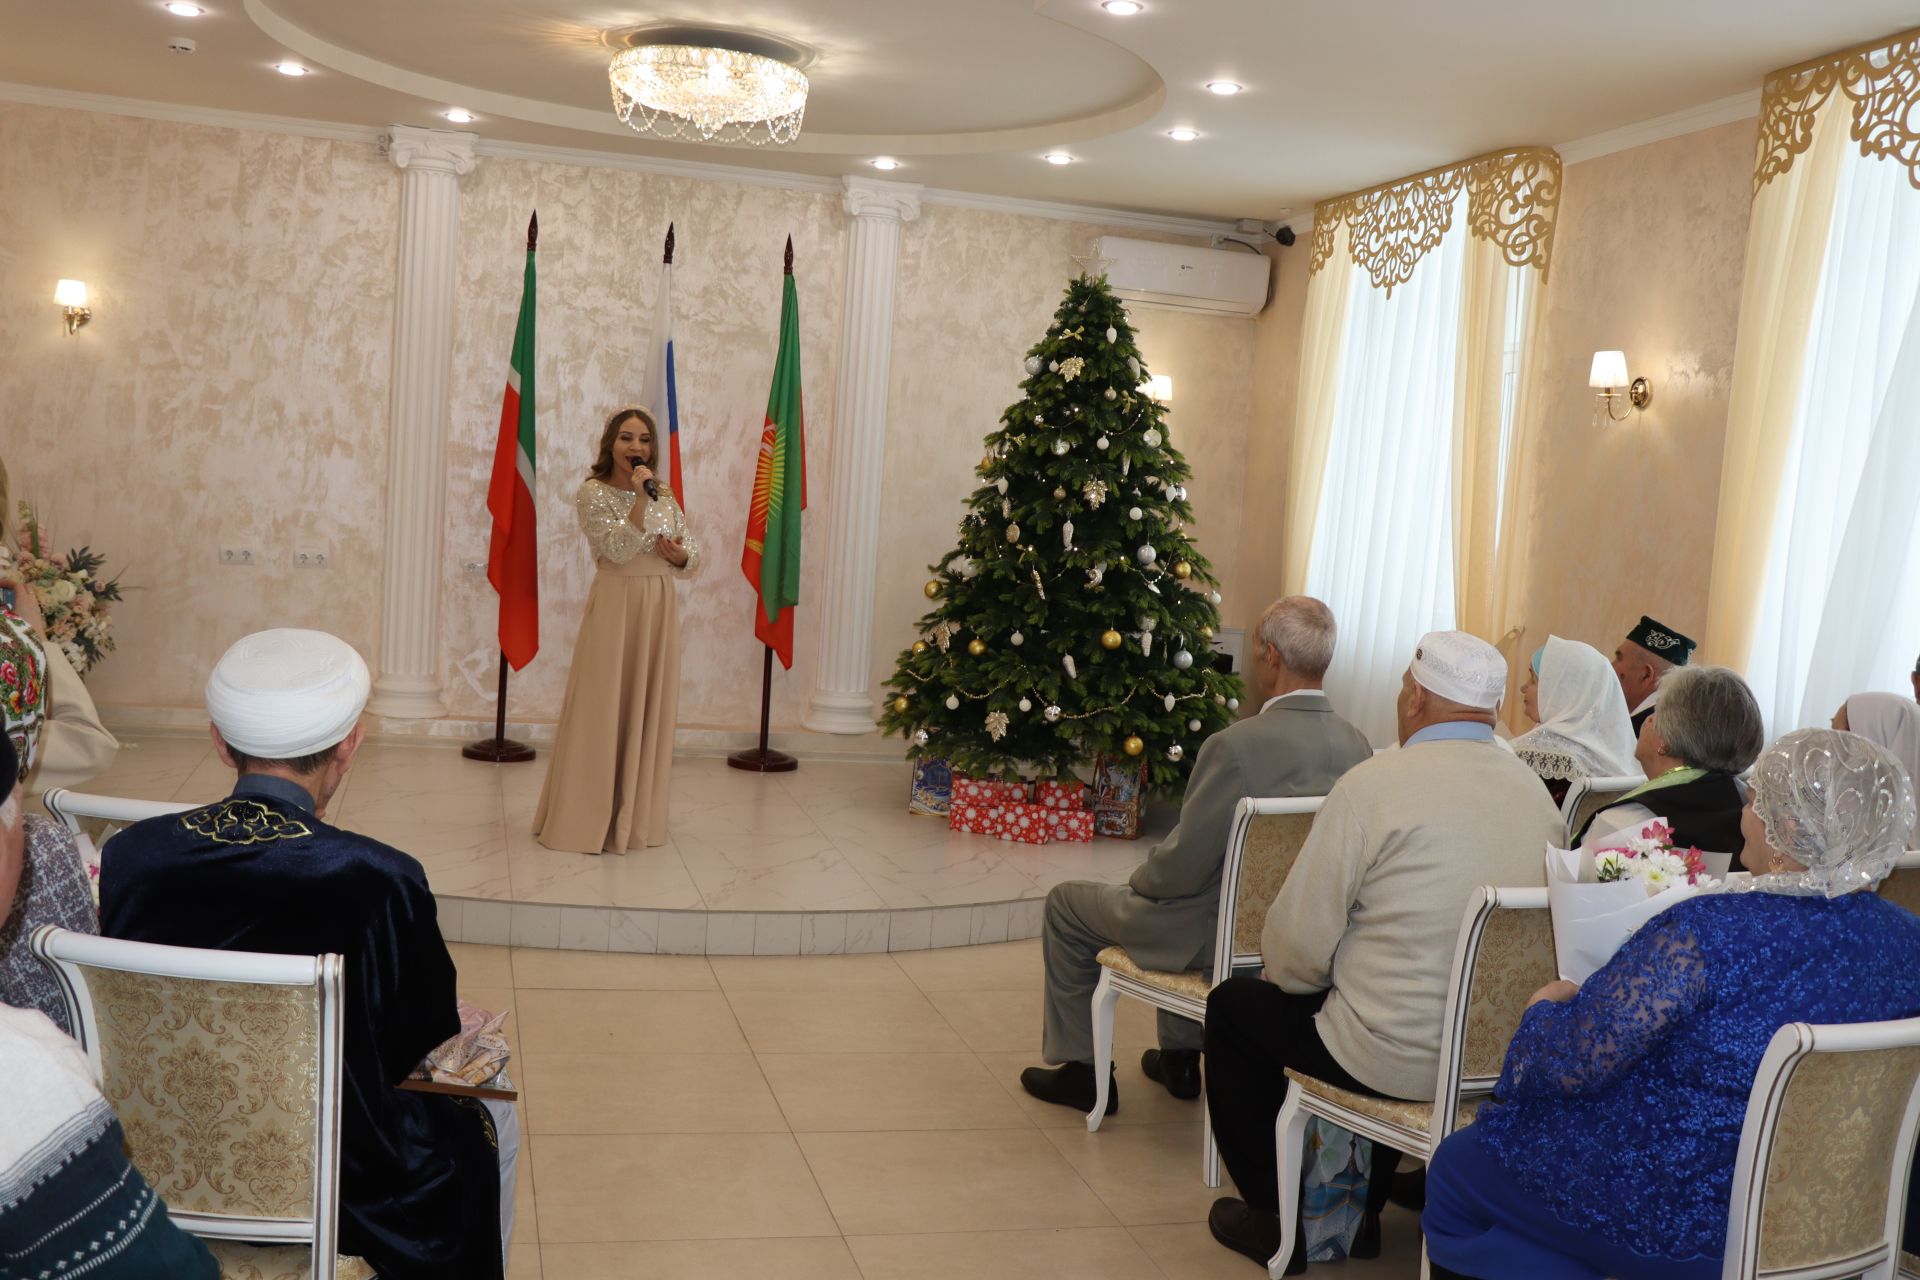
(714, 95)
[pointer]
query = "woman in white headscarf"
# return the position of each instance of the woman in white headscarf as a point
(1890, 719)
(1584, 730)
(1609, 1146)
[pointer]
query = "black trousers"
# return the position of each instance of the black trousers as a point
(1255, 1031)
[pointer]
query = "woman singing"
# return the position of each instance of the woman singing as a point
(606, 788)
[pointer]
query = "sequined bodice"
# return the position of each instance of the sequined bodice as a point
(603, 512)
(1622, 1108)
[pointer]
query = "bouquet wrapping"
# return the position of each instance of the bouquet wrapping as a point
(1600, 897)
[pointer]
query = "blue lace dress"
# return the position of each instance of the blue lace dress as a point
(1610, 1143)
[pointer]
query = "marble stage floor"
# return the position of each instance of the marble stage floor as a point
(823, 860)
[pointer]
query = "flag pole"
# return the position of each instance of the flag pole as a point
(763, 759)
(499, 749)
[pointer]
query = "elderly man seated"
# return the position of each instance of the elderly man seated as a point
(1164, 915)
(426, 1180)
(1642, 660)
(1360, 942)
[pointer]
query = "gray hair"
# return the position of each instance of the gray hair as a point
(1302, 631)
(1710, 719)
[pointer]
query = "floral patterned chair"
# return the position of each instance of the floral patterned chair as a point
(1266, 838)
(1504, 955)
(1820, 1184)
(224, 1070)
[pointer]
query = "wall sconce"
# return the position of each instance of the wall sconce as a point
(72, 295)
(1608, 376)
(1158, 387)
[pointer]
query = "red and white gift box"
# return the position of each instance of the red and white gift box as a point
(1062, 793)
(972, 817)
(1072, 824)
(987, 791)
(1027, 823)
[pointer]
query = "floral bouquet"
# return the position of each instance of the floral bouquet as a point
(75, 599)
(1600, 897)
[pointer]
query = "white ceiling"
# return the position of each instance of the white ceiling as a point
(969, 93)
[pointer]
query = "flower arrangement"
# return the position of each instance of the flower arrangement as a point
(74, 598)
(1652, 859)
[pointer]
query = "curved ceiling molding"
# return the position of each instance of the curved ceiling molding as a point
(1143, 106)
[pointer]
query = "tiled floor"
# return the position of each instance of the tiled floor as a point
(832, 837)
(837, 1118)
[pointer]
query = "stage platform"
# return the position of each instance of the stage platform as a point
(822, 861)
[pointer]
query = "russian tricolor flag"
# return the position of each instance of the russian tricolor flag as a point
(663, 395)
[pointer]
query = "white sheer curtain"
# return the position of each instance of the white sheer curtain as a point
(1839, 607)
(1382, 553)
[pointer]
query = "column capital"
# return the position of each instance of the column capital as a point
(430, 150)
(873, 198)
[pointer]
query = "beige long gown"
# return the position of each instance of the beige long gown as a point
(612, 759)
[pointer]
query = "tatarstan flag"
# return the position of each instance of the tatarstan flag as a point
(771, 560)
(511, 563)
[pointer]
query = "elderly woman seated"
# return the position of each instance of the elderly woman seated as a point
(1583, 731)
(1609, 1146)
(1705, 732)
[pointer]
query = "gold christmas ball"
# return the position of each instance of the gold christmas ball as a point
(1133, 746)
(976, 646)
(900, 704)
(1206, 633)
(919, 647)
(1109, 639)
(986, 462)
(932, 589)
(1182, 570)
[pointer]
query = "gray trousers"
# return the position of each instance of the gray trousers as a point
(506, 1128)
(1083, 919)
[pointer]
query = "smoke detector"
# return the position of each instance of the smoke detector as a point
(180, 44)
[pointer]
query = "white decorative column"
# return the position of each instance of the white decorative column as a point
(431, 163)
(842, 699)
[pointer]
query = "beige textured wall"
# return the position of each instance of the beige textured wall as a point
(1648, 259)
(237, 371)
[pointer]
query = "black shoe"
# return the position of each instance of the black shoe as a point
(1252, 1234)
(1366, 1238)
(1068, 1086)
(1177, 1069)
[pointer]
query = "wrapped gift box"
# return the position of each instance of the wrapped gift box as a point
(974, 819)
(1068, 793)
(1073, 824)
(1027, 823)
(1119, 796)
(931, 791)
(990, 791)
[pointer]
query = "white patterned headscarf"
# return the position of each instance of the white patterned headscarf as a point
(1837, 804)
(1584, 729)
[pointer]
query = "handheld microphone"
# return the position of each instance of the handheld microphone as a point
(653, 490)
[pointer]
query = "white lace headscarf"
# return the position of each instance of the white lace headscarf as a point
(1837, 804)
(1584, 731)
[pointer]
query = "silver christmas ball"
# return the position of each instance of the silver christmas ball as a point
(1233, 704)
(1025, 705)
(1183, 659)
(1213, 597)
(1112, 333)
(1035, 364)
(919, 737)
(1134, 513)
(1174, 752)
(953, 702)
(1133, 366)
(1146, 554)
(1112, 394)
(1152, 438)
(1053, 366)
(1001, 484)
(1193, 726)
(1058, 493)
(1167, 702)
(1052, 713)
(1060, 448)
(1013, 533)
(1220, 698)
(1102, 442)
(1016, 638)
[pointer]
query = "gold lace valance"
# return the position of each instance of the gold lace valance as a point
(1512, 197)
(1882, 81)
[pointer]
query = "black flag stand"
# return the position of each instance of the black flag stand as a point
(762, 759)
(500, 749)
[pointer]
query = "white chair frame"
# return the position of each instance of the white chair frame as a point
(69, 807)
(1113, 985)
(1790, 1047)
(1450, 1088)
(1580, 788)
(66, 953)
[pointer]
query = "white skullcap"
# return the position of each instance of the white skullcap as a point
(282, 694)
(1460, 668)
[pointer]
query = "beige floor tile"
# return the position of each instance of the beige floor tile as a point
(861, 1092)
(1009, 1021)
(605, 1093)
(1141, 1100)
(523, 1262)
(1085, 1253)
(1003, 966)
(1145, 1174)
(701, 1186)
(604, 971)
(843, 1022)
(964, 1180)
(815, 1258)
(627, 1022)
(1188, 1252)
(809, 973)
(482, 966)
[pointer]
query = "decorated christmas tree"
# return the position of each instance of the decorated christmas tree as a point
(1074, 617)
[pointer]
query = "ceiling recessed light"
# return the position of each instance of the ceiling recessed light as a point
(181, 9)
(1122, 8)
(1057, 157)
(1183, 135)
(1225, 88)
(289, 68)
(884, 162)
(459, 115)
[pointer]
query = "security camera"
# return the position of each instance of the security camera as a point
(180, 44)
(1285, 236)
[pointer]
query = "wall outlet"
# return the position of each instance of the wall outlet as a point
(236, 555)
(310, 560)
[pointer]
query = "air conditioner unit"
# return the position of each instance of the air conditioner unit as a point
(1231, 282)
